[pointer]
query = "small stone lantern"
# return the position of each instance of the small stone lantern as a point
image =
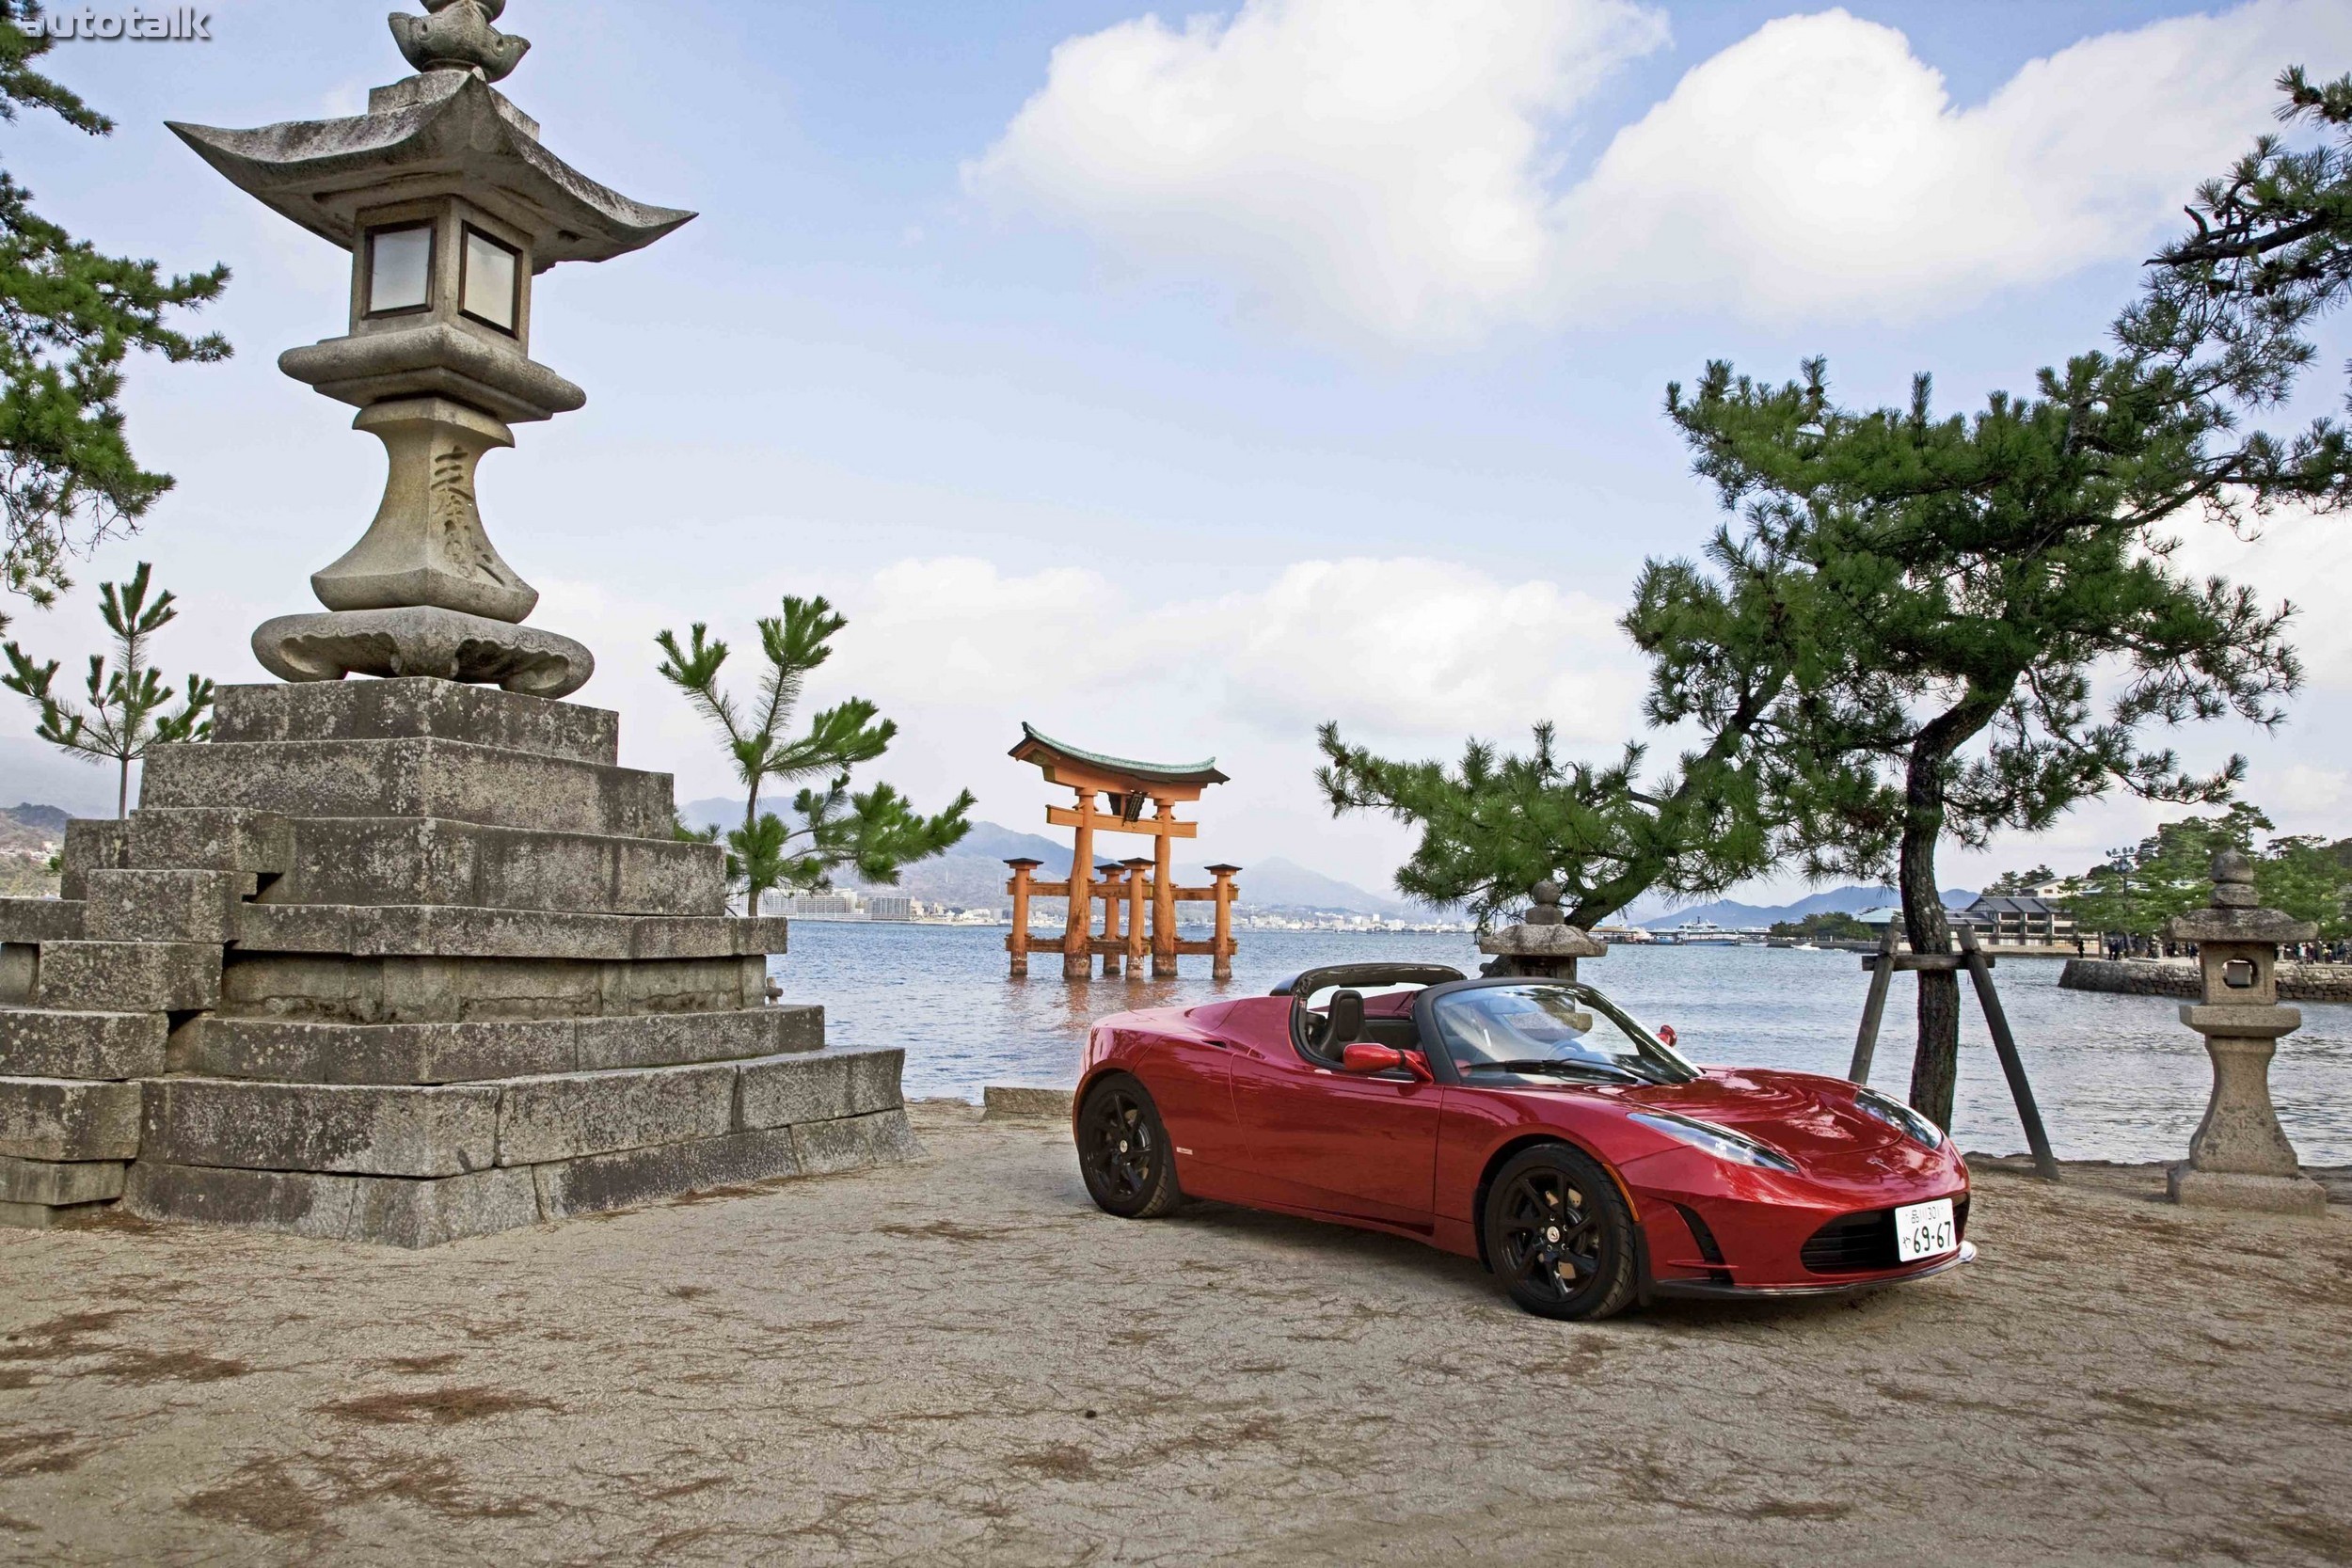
(2240, 1157)
(1543, 947)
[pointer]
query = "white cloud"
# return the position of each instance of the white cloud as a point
(1380, 161)
(1390, 167)
(1395, 647)
(1422, 648)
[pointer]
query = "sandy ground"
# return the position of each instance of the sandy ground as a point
(962, 1361)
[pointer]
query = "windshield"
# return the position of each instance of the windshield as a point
(1552, 1029)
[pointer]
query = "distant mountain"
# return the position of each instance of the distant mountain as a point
(1275, 883)
(36, 770)
(1844, 900)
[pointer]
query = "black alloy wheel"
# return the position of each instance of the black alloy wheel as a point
(1559, 1234)
(1124, 1152)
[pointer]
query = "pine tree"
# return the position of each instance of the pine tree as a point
(1942, 591)
(126, 718)
(69, 316)
(875, 831)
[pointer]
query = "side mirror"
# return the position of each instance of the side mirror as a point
(1666, 1036)
(1365, 1056)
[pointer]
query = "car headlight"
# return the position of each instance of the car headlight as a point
(1722, 1142)
(1899, 1116)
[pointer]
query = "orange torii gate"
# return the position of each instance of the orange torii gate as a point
(1128, 787)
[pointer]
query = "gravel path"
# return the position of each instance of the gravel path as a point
(960, 1360)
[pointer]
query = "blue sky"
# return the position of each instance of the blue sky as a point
(1173, 385)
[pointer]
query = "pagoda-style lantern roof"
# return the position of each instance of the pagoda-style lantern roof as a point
(1079, 768)
(441, 133)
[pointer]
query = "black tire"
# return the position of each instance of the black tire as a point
(1559, 1235)
(1124, 1152)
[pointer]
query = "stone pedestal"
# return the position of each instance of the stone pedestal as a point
(2239, 1157)
(403, 962)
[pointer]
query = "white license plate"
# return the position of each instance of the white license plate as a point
(1925, 1230)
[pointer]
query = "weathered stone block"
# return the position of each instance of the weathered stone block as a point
(371, 1131)
(218, 1046)
(166, 906)
(91, 843)
(881, 1139)
(562, 1117)
(211, 838)
(416, 708)
(445, 991)
(128, 976)
(411, 778)
(656, 1040)
(51, 1118)
(59, 1183)
(412, 861)
(458, 931)
(20, 972)
(782, 1090)
(1024, 1102)
(616, 1181)
(39, 1044)
(39, 920)
(386, 1210)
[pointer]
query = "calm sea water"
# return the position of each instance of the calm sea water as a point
(2118, 1077)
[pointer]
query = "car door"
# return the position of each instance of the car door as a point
(1359, 1145)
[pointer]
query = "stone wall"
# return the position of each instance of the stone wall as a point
(2298, 982)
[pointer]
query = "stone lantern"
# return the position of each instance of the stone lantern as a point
(1543, 946)
(2240, 1157)
(450, 207)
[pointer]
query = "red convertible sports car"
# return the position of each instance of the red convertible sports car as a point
(1528, 1123)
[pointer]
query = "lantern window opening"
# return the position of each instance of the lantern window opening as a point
(401, 260)
(490, 280)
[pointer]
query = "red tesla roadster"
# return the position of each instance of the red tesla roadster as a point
(1528, 1123)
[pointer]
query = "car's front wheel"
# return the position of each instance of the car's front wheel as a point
(1559, 1235)
(1124, 1152)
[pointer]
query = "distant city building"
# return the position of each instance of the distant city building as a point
(822, 905)
(889, 907)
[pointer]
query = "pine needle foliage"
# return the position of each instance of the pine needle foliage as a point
(126, 717)
(875, 833)
(70, 315)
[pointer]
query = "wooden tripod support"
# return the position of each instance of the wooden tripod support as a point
(1882, 965)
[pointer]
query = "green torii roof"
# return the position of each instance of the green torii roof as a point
(1202, 772)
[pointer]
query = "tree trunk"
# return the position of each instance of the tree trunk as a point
(751, 818)
(1935, 1063)
(123, 791)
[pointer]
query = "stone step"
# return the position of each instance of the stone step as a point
(166, 906)
(450, 930)
(411, 778)
(39, 920)
(412, 1213)
(210, 838)
(428, 861)
(41, 1043)
(59, 1184)
(274, 1050)
(68, 1119)
(90, 843)
(447, 1129)
(415, 707)
(441, 1130)
(127, 976)
(387, 1211)
(343, 988)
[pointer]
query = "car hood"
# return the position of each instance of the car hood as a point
(1801, 1114)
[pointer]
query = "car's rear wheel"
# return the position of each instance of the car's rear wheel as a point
(1559, 1235)
(1124, 1152)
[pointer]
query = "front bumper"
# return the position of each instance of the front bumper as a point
(1708, 1290)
